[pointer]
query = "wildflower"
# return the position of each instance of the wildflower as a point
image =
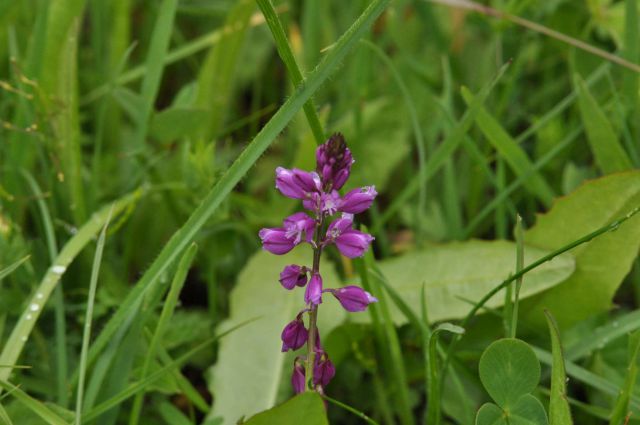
(293, 275)
(294, 335)
(298, 380)
(297, 184)
(334, 161)
(358, 200)
(324, 370)
(313, 294)
(353, 298)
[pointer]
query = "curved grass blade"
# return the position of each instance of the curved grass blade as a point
(621, 407)
(30, 315)
(4, 417)
(238, 169)
(13, 267)
(32, 404)
(348, 408)
(559, 411)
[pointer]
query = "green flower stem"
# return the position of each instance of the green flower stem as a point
(313, 315)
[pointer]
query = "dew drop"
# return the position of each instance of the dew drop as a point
(58, 269)
(615, 324)
(34, 307)
(24, 338)
(28, 317)
(39, 295)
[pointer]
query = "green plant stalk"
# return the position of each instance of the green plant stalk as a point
(313, 314)
(25, 324)
(134, 388)
(86, 334)
(350, 409)
(167, 311)
(58, 294)
(239, 168)
(614, 225)
(519, 265)
(559, 411)
(284, 50)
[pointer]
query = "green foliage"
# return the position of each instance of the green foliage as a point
(305, 408)
(559, 411)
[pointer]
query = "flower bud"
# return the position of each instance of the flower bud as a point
(298, 379)
(358, 200)
(333, 162)
(275, 240)
(323, 370)
(296, 183)
(293, 275)
(313, 294)
(353, 243)
(353, 298)
(294, 335)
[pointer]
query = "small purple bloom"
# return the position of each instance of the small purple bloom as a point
(358, 200)
(296, 183)
(353, 298)
(323, 370)
(313, 294)
(294, 335)
(298, 379)
(334, 161)
(293, 275)
(275, 240)
(353, 243)
(337, 227)
(299, 227)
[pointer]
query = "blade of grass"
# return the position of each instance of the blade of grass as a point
(86, 334)
(33, 404)
(25, 324)
(511, 152)
(518, 284)
(621, 406)
(4, 417)
(12, 267)
(559, 411)
(154, 65)
(489, 11)
(167, 312)
(438, 157)
(136, 387)
(389, 341)
(350, 409)
(606, 148)
(284, 50)
(238, 169)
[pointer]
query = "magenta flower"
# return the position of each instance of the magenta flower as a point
(358, 200)
(296, 183)
(313, 294)
(293, 275)
(351, 243)
(298, 379)
(276, 241)
(299, 227)
(294, 335)
(324, 370)
(353, 298)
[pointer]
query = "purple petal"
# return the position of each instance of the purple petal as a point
(299, 227)
(353, 298)
(313, 294)
(323, 370)
(296, 183)
(298, 380)
(353, 243)
(358, 200)
(294, 335)
(293, 275)
(276, 241)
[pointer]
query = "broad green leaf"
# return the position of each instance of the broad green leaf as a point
(456, 273)
(382, 141)
(508, 370)
(509, 149)
(559, 411)
(249, 360)
(528, 411)
(306, 408)
(606, 148)
(490, 414)
(600, 264)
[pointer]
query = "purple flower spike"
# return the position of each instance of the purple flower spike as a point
(334, 162)
(353, 243)
(293, 275)
(313, 294)
(358, 200)
(296, 183)
(353, 298)
(299, 227)
(294, 335)
(276, 241)
(323, 370)
(298, 379)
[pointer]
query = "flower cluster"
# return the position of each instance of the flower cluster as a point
(318, 191)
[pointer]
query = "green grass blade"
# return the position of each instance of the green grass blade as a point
(440, 155)
(86, 335)
(33, 404)
(284, 50)
(519, 231)
(134, 388)
(621, 407)
(167, 311)
(559, 411)
(12, 267)
(238, 169)
(606, 148)
(511, 152)
(4, 417)
(155, 66)
(350, 409)
(27, 320)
